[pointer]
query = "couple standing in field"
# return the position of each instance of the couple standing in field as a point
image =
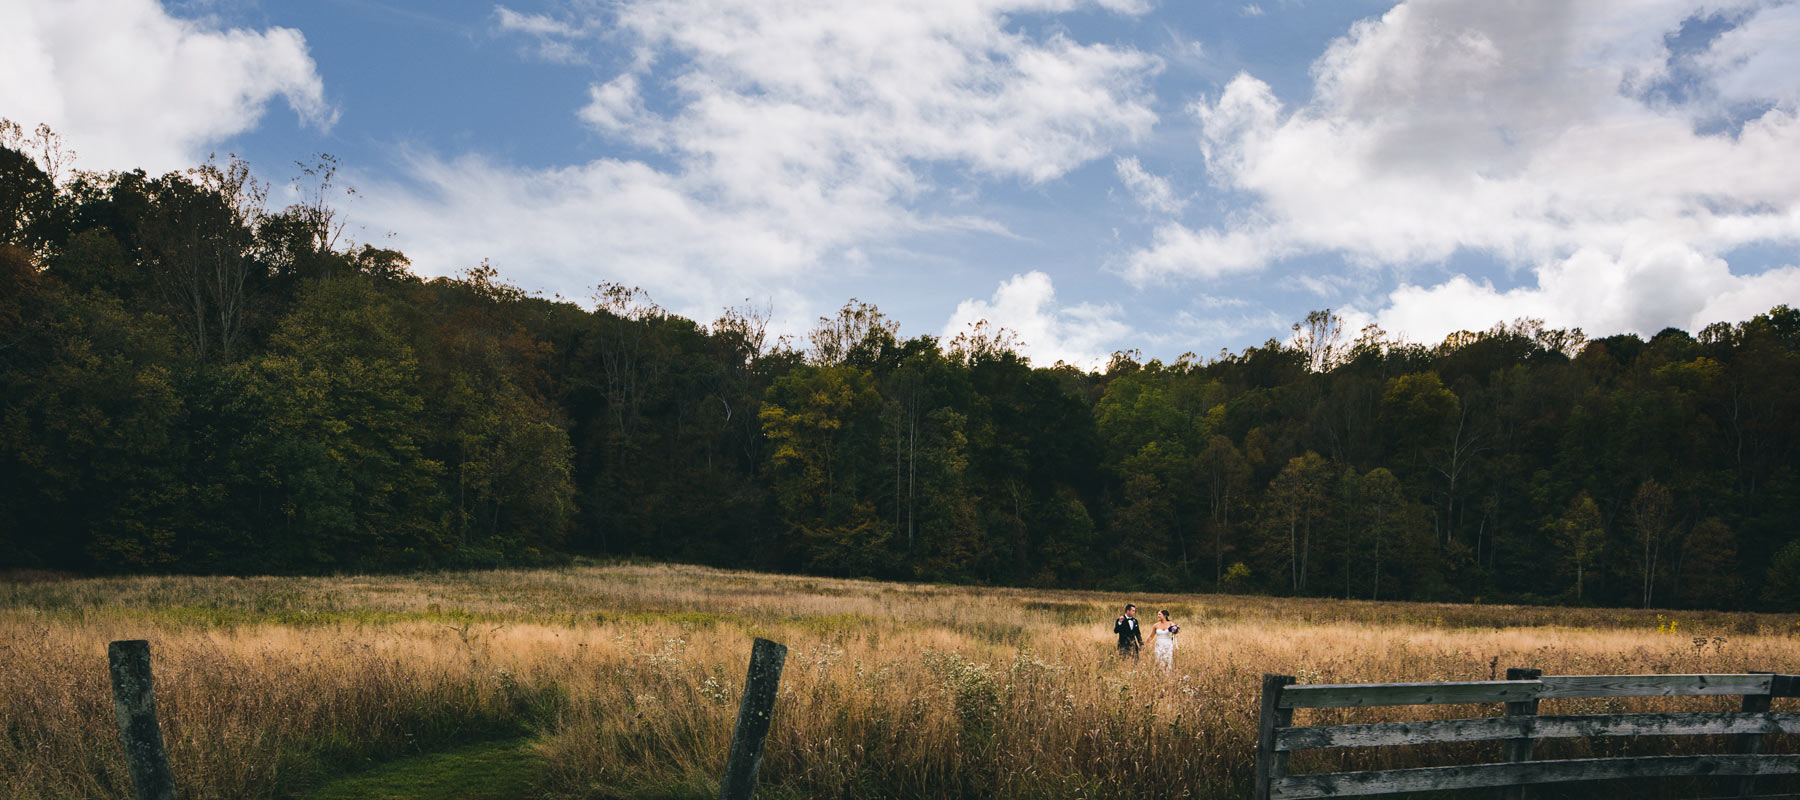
(1131, 636)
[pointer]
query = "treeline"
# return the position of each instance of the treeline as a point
(192, 381)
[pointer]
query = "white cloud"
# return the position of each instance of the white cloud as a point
(535, 24)
(1179, 250)
(616, 108)
(1219, 319)
(1084, 335)
(1757, 61)
(557, 41)
(1645, 291)
(1531, 134)
(805, 105)
(788, 138)
(566, 230)
(129, 86)
(1151, 191)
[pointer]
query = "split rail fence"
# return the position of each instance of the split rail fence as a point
(1518, 728)
(1278, 738)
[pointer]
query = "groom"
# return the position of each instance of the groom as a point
(1130, 637)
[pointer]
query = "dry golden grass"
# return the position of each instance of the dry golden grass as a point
(629, 678)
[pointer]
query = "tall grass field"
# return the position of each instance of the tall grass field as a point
(624, 680)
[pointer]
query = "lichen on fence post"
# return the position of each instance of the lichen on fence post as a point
(760, 685)
(134, 701)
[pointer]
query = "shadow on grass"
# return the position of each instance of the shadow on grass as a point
(509, 769)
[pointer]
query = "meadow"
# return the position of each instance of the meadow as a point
(600, 681)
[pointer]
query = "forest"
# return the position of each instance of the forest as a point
(195, 381)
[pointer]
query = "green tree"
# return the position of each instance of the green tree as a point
(1709, 574)
(1652, 517)
(955, 545)
(922, 383)
(1390, 526)
(1293, 508)
(506, 455)
(1226, 476)
(1136, 410)
(91, 447)
(1068, 536)
(1149, 515)
(197, 234)
(1781, 585)
(1435, 436)
(30, 213)
(338, 425)
(814, 418)
(851, 334)
(1581, 537)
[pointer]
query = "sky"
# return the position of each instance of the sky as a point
(1169, 176)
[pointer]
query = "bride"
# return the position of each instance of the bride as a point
(1164, 632)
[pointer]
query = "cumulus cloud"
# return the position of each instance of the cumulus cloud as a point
(785, 138)
(1084, 334)
(131, 86)
(565, 230)
(1644, 291)
(1178, 249)
(803, 107)
(1563, 139)
(616, 108)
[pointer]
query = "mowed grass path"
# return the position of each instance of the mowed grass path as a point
(504, 770)
(623, 681)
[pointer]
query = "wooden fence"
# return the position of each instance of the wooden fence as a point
(1521, 724)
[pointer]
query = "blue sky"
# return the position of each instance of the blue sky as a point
(1093, 174)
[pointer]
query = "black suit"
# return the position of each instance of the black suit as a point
(1130, 636)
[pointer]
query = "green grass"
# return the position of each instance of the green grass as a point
(502, 770)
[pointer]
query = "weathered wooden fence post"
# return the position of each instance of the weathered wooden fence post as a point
(1519, 749)
(134, 701)
(1271, 763)
(1751, 743)
(760, 684)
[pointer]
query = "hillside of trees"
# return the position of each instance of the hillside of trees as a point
(194, 381)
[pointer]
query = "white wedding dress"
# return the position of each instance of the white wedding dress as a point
(1165, 649)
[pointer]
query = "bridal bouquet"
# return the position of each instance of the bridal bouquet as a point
(1174, 629)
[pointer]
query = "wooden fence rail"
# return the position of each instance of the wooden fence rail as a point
(1518, 729)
